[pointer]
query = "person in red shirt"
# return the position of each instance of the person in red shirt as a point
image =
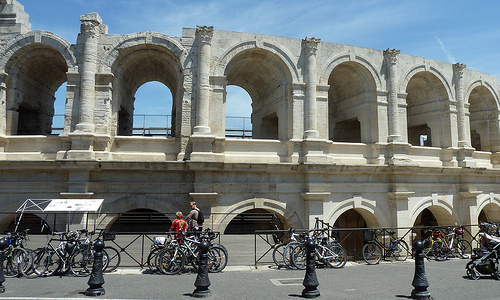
(178, 225)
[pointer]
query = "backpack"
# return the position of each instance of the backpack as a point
(201, 218)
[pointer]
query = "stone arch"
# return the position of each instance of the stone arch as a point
(327, 69)
(111, 209)
(428, 108)
(483, 116)
(368, 209)
(36, 67)
(222, 220)
(142, 58)
(43, 38)
(352, 91)
(490, 205)
(284, 55)
(267, 79)
(440, 207)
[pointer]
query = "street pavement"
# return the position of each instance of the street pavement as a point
(388, 280)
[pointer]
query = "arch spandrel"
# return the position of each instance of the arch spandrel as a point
(440, 206)
(487, 86)
(222, 219)
(39, 37)
(115, 50)
(373, 215)
(406, 78)
(485, 200)
(221, 64)
(364, 63)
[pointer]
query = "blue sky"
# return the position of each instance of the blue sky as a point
(452, 31)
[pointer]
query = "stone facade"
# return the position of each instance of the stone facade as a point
(336, 128)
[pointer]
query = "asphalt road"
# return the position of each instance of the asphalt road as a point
(447, 280)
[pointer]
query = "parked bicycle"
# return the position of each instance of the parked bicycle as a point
(17, 259)
(375, 248)
(451, 244)
(282, 252)
(112, 259)
(328, 253)
(181, 251)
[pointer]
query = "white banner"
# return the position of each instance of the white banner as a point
(74, 205)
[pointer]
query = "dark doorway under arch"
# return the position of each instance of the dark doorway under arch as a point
(141, 220)
(34, 223)
(351, 241)
(253, 219)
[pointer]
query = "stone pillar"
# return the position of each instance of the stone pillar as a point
(399, 206)
(204, 35)
(3, 105)
(458, 72)
(392, 94)
(311, 119)
(91, 32)
(468, 207)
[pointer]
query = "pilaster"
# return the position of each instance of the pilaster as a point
(313, 204)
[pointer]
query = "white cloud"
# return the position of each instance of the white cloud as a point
(450, 57)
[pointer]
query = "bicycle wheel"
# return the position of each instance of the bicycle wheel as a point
(437, 251)
(299, 257)
(401, 250)
(278, 255)
(54, 263)
(152, 256)
(463, 248)
(339, 255)
(13, 261)
(288, 253)
(39, 264)
(111, 260)
(217, 259)
(81, 262)
(372, 253)
(170, 261)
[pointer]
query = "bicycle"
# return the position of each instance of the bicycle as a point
(328, 253)
(282, 251)
(17, 260)
(172, 259)
(112, 257)
(450, 243)
(372, 250)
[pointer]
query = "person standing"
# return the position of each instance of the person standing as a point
(178, 225)
(193, 219)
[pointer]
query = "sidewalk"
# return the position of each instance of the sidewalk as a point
(355, 281)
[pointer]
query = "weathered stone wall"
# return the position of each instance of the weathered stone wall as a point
(336, 128)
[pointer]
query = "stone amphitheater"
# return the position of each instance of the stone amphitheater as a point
(356, 137)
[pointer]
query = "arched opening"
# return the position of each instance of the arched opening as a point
(37, 72)
(152, 75)
(152, 110)
(425, 101)
(424, 219)
(352, 89)
(254, 219)
(265, 77)
(238, 113)
(140, 220)
(59, 110)
(490, 213)
(34, 223)
(483, 119)
(352, 241)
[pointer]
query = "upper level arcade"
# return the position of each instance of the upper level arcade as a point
(311, 101)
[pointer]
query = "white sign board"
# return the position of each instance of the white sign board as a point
(74, 205)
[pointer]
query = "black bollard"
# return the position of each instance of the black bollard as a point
(96, 279)
(3, 246)
(202, 281)
(310, 282)
(420, 282)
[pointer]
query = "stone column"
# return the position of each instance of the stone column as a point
(204, 35)
(91, 32)
(3, 105)
(458, 72)
(310, 48)
(392, 94)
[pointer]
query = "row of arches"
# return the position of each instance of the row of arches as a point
(40, 62)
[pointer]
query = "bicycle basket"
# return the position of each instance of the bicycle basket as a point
(109, 236)
(368, 235)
